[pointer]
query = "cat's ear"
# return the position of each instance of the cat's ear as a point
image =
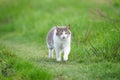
(68, 27)
(57, 28)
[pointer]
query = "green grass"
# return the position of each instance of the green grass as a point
(14, 68)
(95, 52)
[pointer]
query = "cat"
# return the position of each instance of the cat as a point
(59, 39)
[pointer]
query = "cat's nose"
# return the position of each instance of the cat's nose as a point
(63, 37)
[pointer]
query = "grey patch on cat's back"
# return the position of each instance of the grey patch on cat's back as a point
(49, 38)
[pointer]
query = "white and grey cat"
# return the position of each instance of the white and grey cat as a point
(59, 39)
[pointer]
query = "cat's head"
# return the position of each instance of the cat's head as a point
(63, 32)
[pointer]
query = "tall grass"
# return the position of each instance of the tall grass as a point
(12, 68)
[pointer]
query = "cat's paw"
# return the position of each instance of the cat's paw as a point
(58, 59)
(65, 59)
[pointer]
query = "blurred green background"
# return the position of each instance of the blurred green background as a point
(95, 27)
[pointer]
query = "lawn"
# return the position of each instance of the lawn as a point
(95, 47)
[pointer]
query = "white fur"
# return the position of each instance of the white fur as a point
(61, 44)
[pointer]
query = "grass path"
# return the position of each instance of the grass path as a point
(65, 70)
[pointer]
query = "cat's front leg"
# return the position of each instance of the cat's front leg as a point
(66, 53)
(58, 54)
(50, 53)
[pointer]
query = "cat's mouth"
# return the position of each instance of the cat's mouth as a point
(63, 38)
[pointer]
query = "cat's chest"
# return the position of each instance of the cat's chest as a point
(62, 44)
